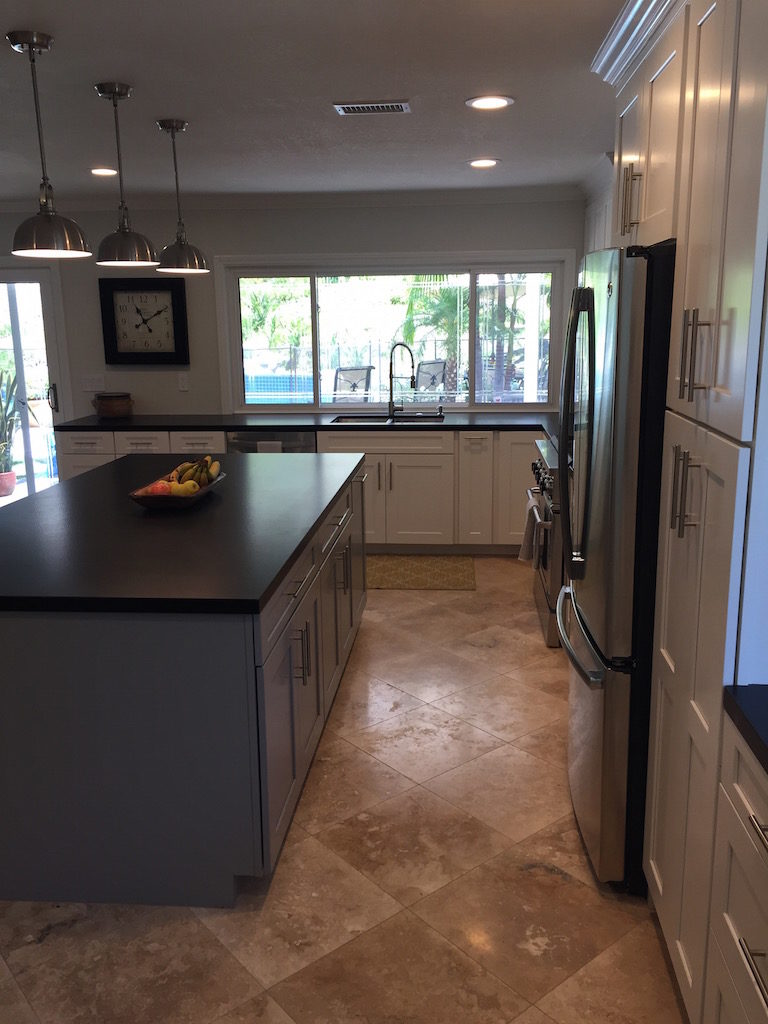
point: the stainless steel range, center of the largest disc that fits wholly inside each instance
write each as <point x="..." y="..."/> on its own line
<point x="547" y="540"/>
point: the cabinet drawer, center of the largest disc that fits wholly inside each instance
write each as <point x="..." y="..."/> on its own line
<point x="205" y="441"/>
<point x="80" y="441"/>
<point x="334" y="523"/>
<point x="127" y="441"/>
<point x="740" y="909"/>
<point x="388" y="439"/>
<point x="746" y="784"/>
<point x="721" y="1000"/>
<point x="279" y="608"/>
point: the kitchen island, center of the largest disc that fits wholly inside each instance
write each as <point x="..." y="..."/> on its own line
<point x="167" y="675"/>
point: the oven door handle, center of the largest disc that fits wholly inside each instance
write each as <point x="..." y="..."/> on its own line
<point x="540" y="526"/>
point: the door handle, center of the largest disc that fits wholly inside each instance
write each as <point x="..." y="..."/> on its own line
<point x="761" y="830"/>
<point x="52" y="397"/>
<point x="308" y="654"/>
<point x="391" y="476"/>
<point x="594" y="678"/>
<point x="378" y="473"/>
<point x="298" y="635"/>
<point x="682" y="516"/>
<point x="695" y="325"/>
<point x="683" y="352"/>
<point x="675" y="480"/>
<point x="757" y="974"/>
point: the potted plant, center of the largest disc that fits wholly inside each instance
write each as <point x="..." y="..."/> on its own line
<point x="9" y="421"/>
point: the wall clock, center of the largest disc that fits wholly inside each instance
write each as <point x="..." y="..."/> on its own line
<point x="144" y="320"/>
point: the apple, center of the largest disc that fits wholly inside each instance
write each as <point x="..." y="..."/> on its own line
<point x="159" y="487"/>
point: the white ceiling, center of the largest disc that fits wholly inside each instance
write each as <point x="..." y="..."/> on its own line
<point x="257" y="81"/>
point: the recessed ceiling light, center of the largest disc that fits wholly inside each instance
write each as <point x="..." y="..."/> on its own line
<point x="489" y="102"/>
<point x="104" y="172"/>
<point x="484" y="163"/>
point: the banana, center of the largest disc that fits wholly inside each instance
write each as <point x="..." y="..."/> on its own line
<point x="187" y="475"/>
<point x="214" y="469"/>
<point x="208" y="459"/>
<point x="182" y="469"/>
<point x="204" y="481"/>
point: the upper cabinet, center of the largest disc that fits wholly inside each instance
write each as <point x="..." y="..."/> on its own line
<point x="648" y="140"/>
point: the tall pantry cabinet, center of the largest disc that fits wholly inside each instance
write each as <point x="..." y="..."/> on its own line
<point x="712" y="134"/>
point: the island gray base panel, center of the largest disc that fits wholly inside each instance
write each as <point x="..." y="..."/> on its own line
<point x="128" y="757"/>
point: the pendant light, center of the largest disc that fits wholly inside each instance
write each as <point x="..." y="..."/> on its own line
<point x="47" y="235"/>
<point x="179" y="257"/>
<point x="124" y="247"/>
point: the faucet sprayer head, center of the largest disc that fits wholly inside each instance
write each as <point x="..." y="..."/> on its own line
<point x="413" y="381"/>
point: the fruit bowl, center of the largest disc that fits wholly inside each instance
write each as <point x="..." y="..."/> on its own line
<point x="173" y="501"/>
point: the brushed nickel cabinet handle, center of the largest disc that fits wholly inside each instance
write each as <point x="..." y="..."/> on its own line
<point x="390" y="476"/>
<point x="675" y="480"/>
<point x="749" y="956"/>
<point x="696" y="323"/>
<point x="626" y="184"/>
<point x="683" y="493"/>
<point x="378" y="473"/>
<point x="308" y="655"/>
<point x="761" y="830"/>
<point x="684" y="351"/>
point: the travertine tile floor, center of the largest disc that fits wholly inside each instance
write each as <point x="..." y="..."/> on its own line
<point x="433" y="872"/>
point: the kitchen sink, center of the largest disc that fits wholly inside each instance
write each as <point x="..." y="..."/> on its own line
<point x="361" y="417"/>
<point x="418" y="417"/>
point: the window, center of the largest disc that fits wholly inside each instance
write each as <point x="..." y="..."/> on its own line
<point x="319" y="339"/>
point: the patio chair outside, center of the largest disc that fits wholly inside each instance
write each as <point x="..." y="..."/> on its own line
<point x="430" y="378"/>
<point x="352" y="384"/>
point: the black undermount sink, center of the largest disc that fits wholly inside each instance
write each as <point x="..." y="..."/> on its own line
<point x="362" y="417"/>
<point x="382" y="420"/>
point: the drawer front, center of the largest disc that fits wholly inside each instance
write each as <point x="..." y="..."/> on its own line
<point x="280" y="607"/>
<point x="740" y="909"/>
<point x="137" y="441"/>
<point x="334" y="523"/>
<point x="388" y="439"/>
<point x="203" y="441"/>
<point x="82" y="441"/>
<point x="746" y="784"/>
<point x="721" y="1000"/>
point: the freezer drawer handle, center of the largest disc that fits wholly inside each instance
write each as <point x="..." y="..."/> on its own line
<point x="750" y="955"/>
<point x="594" y="678"/>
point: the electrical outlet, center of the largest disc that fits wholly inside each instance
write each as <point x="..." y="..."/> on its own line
<point x="183" y="382"/>
<point x="94" y="382"/>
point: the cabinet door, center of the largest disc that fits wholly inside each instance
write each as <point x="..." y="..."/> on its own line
<point x="631" y="145"/>
<point x="696" y="310"/>
<point x="357" y="549"/>
<point x="663" y="74"/>
<point x="420" y="499"/>
<point x="476" y="487"/>
<point x="375" y="496"/>
<point x="721" y="1002"/>
<point x="290" y="708"/>
<point x="700" y="542"/>
<point x="515" y="451"/>
<point x="74" y="463"/>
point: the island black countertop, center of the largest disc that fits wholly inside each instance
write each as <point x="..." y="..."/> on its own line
<point x="84" y="545"/>
<point x="747" y="706"/>
<point x="475" y="420"/>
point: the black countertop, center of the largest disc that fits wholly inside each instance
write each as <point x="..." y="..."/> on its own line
<point x="85" y="545"/>
<point x="748" y="707"/>
<point x="481" y="420"/>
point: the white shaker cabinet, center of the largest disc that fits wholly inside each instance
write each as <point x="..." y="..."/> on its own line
<point x="703" y="502"/>
<point x="374" y="488"/>
<point x="77" y="451"/>
<point x="515" y="451"/>
<point x="129" y="442"/>
<point x="693" y="387"/>
<point x="198" y="441"/>
<point x="648" y="140"/>
<point x="420" y="499"/>
<point x="475" y="487"/>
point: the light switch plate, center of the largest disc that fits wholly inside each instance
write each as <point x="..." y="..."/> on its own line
<point x="93" y="382"/>
<point x="183" y="382"/>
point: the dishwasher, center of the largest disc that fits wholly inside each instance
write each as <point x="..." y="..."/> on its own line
<point x="271" y="441"/>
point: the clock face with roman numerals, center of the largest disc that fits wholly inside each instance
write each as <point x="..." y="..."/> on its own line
<point x="144" y="321"/>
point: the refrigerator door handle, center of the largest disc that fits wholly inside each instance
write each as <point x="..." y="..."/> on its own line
<point x="582" y="301"/>
<point x="593" y="677"/>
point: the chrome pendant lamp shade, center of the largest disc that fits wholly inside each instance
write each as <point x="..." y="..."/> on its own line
<point x="179" y="257"/>
<point x="47" y="235"/>
<point x="124" y="247"/>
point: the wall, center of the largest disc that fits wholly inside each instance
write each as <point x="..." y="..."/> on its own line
<point x="479" y="221"/>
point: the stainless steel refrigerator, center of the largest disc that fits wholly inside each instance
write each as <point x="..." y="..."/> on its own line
<point x="611" y="430"/>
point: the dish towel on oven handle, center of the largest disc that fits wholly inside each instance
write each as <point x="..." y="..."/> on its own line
<point x="526" y="548"/>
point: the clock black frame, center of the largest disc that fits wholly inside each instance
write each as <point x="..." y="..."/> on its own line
<point x="176" y="286"/>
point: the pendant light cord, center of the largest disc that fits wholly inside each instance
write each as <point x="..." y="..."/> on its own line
<point x="123" y="208"/>
<point x="180" y="229"/>
<point x="46" y="192"/>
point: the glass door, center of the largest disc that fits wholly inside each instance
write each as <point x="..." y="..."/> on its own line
<point x="28" y="391"/>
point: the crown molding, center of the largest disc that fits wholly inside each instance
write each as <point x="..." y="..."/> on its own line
<point x="637" y="22"/>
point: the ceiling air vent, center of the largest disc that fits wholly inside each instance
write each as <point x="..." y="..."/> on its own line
<point x="396" y="107"/>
